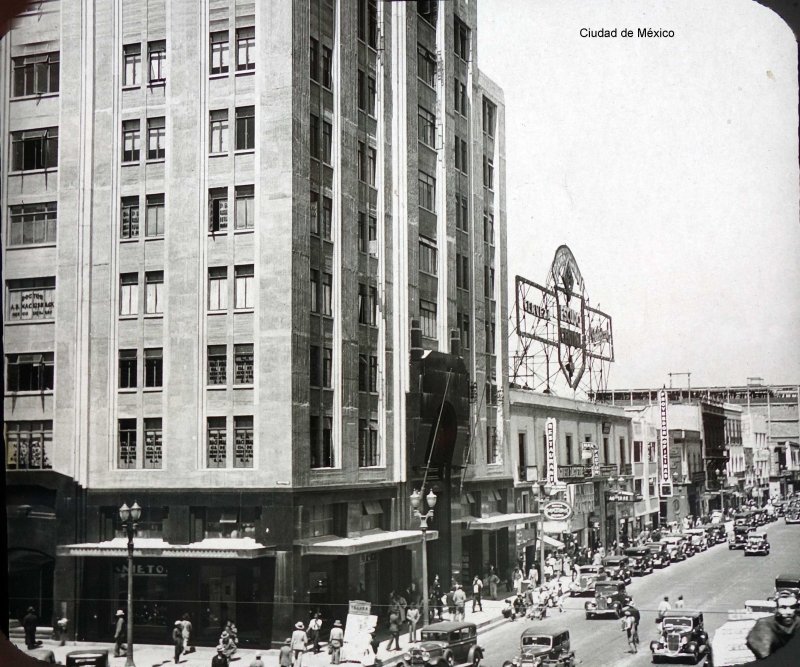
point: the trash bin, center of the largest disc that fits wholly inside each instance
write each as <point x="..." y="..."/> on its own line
<point x="94" y="658"/>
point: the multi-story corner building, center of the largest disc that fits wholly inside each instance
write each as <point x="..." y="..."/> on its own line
<point x="254" y="258"/>
<point x="752" y="473"/>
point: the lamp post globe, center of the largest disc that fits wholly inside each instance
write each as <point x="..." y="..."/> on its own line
<point x="431" y="498"/>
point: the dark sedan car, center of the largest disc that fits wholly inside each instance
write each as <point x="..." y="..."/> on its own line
<point x="445" y="644"/>
<point x="640" y="559"/>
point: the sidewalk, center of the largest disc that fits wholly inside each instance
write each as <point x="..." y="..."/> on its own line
<point x="153" y="655"/>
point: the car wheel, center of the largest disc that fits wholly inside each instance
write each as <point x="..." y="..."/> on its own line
<point x="589" y="616"/>
<point x="449" y="660"/>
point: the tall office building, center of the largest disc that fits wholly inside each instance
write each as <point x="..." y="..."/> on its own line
<point x="254" y="262"/>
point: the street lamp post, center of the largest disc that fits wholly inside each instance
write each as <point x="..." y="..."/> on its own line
<point x="616" y="482"/>
<point x="416" y="501"/>
<point x="721" y="490"/>
<point x="130" y="517"/>
<point x="539" y="490"/>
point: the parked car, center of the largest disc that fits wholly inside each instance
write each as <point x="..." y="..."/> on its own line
<point x="688" y="545"/>
<point x="717" y="516"/>
<point x="585" y="581"/>
<point x="659" y="553"/>
<point x="682" y="637"/>
<point x="674" y="549"/>
<point x="609" y="599"/>
<point x="757" y="544"/>
<point x="698" y="538"/>
<point x="446" y="644"/>
<point x="640" y="560"/>
<point x="792" y="516"/>
<point x="681" y="541"/>
<point x="538" y="648"/>
<point x="738" y="538"/>
<point x="716" y="533"/>
<point x="618" y="567"/>
<point x="744" y="518"/>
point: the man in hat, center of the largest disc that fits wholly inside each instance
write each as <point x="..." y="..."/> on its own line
<point x="285" y="655"/>
<point x="336" y="640"/>
<point x="257" y="661"/>
<point x="219" y="660"/>
<point x="177" y="639"/>
<point x="119" y="633"/>
<point x="29" y="623"/>
<point x="299" y="643"/>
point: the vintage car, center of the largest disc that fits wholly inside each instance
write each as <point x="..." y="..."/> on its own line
<point x="743" y="518"/>
<point x="445" y="644"/>
<point x="674" y="549"/>
<point x="793" y="516"/>
<point x="549" y="649"/>
<point x="585" y="581"/>
<point x="659" y="554"/>
<point x="717" y="516"/>
<point x="757" y="544"/>
<point x="698" y="537"/>
<point x="738" y="538"/>
<point x="682" y="637"/>
<point x="681" y="541"/>
<point x="716" y="533"/>
<point x="609" y="599"/>
<point x="641" y="562"/>
<point x="618" y="567"/>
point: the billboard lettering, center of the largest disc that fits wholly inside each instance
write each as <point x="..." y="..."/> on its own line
<point x="552" y="459"/>
<point x="666" y="476"/>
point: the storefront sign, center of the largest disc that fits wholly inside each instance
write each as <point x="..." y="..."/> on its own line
<point x="552" y="459"/>
<point x="143" y="569"/>
<point x="556" y="510"/>
<point x="31" y="304"/>
<point x="587" y="448"/>
<point x="359" y="621"/>
<point x="573" y="472"/>
<point x="622" y="497"/>
<point x="665" y="487"/>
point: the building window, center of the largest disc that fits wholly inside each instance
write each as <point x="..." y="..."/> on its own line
<point x="651" y="486"/>
<point x="427" y="316"/>
<point x="243" y="363"/>
<point x="154" y="223"/>
<point x="426" y="66"/>
<point x="217" y="439"/>
<point x="327" y="64"/>
<point x="327" y="367"/>
<point x="366" y="93"/>
<point x="460" y="97"/>
<point x="428" y="262"/>
<point x="462" y="155"/>
<point x="488" y="281"/>
<point x="461" y="38"/>
<point x="568" y="439"/>
<point x="154" y="292"/>
<point x="218" y="209"/>
<point x="157" y="57"/>
<point x="327" y="294"/>
<point x="218" y="288"/>
<point x="217" y="365"/>
<point x="638" y="445"/>
<point x="492" y="452"/>
<point x="368" y="22"/>
<point x="637" y="486"/>
<point x="327" y="218"/>
<point x="372" y="234"/>
<point x="426" y="128"/>
<point x="488" y="227"/>
<point x="373" y="374"/>
<point x="245" y="206"/>
<point x="622" y="457"/>
<point x="366" y="163"/>
<point x="462" y="213"/>
<point x="219" y="52"/>
<point x="245" y="128"/>
<point x="368" y="443"/>
<point x="462" y="271"/>
<point x="33" y="224"/>
<point x="327" y="139"/>
<point x="128" y="369"/>
<point x="488" y="173"/>
<point x="132" y="65"/>
<point x="218" y="131"/>
<point x="126" y="454"/>
<point x="489" y="332"/>
<point x="244" y="286"/>
<point x="321" y="448"/>
<point x="243" y="442"/>
<point x="313" y="60"/>
<point x="462" y="321"/>
<point x="313" y="137"/>
<point x="367" y="304"/>
<point x="363" y="373"/>
<point x="427" y="191"/>
<point x="489" y="113"/>
<point x="245" y="49"/>
<point x="428" y="10"/>
<point x="152" y="443"/>
<point x="34" y="149"/>
<point x="315" y="292"/>
<point x="129" y="218"/>
<point x="31" y="299"/>
<point x="28" y="445"/>
<point x="313" y="212"/>
<point x="153" y="367"/>
<point x="315" y="366"/>
<point x="36" y="74"/>
<point x="128" y="293"/>
<point x="156" y="140"/>
<point x="131" y="140"/>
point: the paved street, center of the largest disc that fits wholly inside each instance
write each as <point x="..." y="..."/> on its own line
<point x="714" y="581"/>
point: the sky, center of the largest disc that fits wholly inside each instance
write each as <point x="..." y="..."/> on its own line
<point x="669" y="167"/>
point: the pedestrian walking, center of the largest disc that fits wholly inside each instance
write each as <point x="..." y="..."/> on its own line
<point x="562" y="597"/>
<point x="533" y="577"/>
<point x="285" y="654"/>
<point x="119" y="633"/>
<point x="29" y="623"/>
<point x="412" y="616"/>
<point x="548" y="572"/>
<point x="629" y="628"/>
<point x="336" y="641"/>
<point x="451" y="605"/>
<point x="299" y="643"/>
<point x="493" y="580"/>
<point x="314" y="626"/>
<point x="177" y="640"/>
<point x="460" y="601"/>
<point x="679" y="602"/>
<point x="220" y="660"/>
<point x="477" y="587"/>
<point x="402" y="605"/>
<point x="186" y="631"/>
<point x="394" y="631"/>
<point x="516" y="579"/>
<point x="663" y="607"/>
<point x="597" y="559"/>
<point x="436" y="593"/>
<point x="257" y="661"/>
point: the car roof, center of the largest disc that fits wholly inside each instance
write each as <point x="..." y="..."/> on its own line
<point x="636" y="549"/>
<point x="447" y="626"/>
<point x="610" y="558"/>
<point x="678" y="613"/>
<point x="535" y="632"/>
<point x="611" y="582"/>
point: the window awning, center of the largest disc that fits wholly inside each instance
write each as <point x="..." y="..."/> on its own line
<point x="332" y="545"/>
<point x="498" y="521"/>
<point x="219" y="547"/>
<point x="553" y="542"/>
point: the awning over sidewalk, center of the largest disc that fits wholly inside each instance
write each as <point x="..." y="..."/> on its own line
<point x="332" y="545"/>
<point x="221" y="547"/>
<point x="553" y="542"/>
<point x="498" y="521"/>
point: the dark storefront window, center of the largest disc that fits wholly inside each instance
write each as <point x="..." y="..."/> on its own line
<point x="230" y="522"/>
